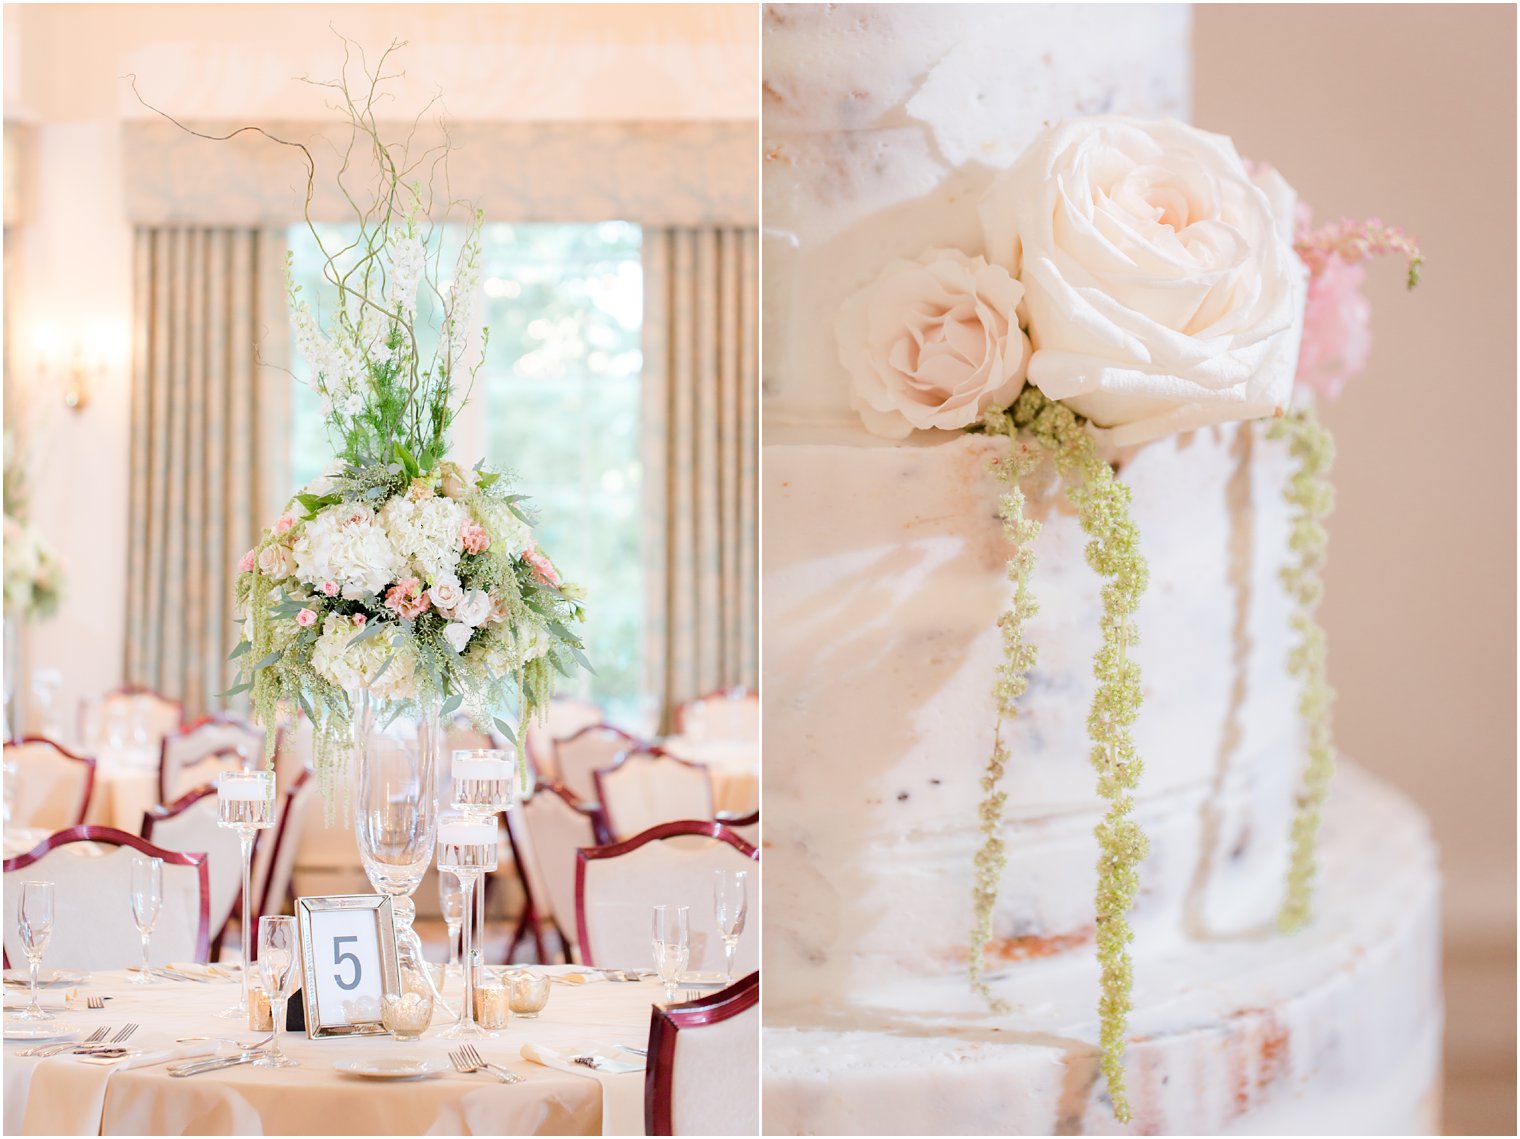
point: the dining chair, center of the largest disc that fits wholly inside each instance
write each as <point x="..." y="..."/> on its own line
<point x="131" y="716"/>
<point x="300" y="808"/>
<point x="204" y="749"/>
<point x="648" y="786"/>
<point x="564" y="716"/>
<point x="52" y="785"/>
<point x="547" y="829"/>
<point x="189" y="824"/>
<point x="703" y="1055"/>
<point x="91" y="869"/>
<point x="746" y="827"/>
<point x="726" y="714"/>
<point x="576" y="757"/>
<point x="617" y="887"/>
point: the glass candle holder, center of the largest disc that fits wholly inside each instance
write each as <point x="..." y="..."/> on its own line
<point x="529" y="993"/>
<point x="406" y="1016"/>
<point x="493" y="1004"/>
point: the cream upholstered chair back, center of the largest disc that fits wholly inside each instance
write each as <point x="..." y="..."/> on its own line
<point x="558" y="825"/>
<point x="91" y="872"/>
<point x="189" y="824"/>
<point x="646" y="787"/>
<point x="728" y="714"/>
<point x="129" y="718"/>
<point x="52" y="787"/>
<point x="562" y="719"/>
<point x="618" y="886"/>
<point x="702" y="1061"/>
<point x="204" y="750"/>
<point x="577" y="757"/>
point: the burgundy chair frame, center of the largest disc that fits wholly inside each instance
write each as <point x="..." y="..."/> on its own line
<point x="110" y="836"/>
<point x="132" y="690"/>
<point x="665" y="1024"/>
<point x="653" y="834"/>
<point x="735" y="692"/>
<point x="530" y="923"/>
<point x="536" y="760"/>
<point x="163" y="775"/>
<point x="88" y="761"/>
<point x="633" y="741"/>
<point x="161" y="813"/>
<point x="624" y="757"/>
<point x="729" y="819"/>
<point x="213" y="719"/>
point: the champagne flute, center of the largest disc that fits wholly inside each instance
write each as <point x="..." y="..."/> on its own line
<point x="730" y="907"/>
<point x="484" y="784"/>
<point x="672" y="946"/>
<point x="277" y="969"/>
<point x="467" y="849"/>
<point x="451" y="902"/>
<point x="245" y="803"/>
<point x="34" y="917"/>
<point x="147" y="900"/>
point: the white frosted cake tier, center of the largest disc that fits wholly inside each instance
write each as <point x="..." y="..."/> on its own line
<point x="1335" y="1030"/>
<point x="885" y="574"/>
<point x="884" y="124"/>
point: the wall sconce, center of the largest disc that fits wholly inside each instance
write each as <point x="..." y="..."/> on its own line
<point x="86" y="367"/>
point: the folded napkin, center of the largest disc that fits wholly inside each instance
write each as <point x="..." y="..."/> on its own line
<point x="192" y="1051"/>
<point x="578" y="978"/>
<point x="622" y="1089"/>
<point x="609" y="1059"/>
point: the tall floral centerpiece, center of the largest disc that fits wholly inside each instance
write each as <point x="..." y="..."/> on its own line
<point x="33" y="580"/>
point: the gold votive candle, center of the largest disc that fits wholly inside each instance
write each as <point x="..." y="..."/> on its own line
<point x="530" y="993"/>
<point x="260" y="1012"/>
<point x="493" y="1005"/>
<point x="407" y="1015"/>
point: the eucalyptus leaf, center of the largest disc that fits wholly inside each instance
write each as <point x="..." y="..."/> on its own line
<point x="451" y="705"/>
<point x="369" y="631"/>
<point x="267" y="661"/>
<point x="243" y="647"/>
<point x="505" y="729"/>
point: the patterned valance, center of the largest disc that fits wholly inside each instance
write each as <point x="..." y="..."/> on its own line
<point x="655" y="174"/>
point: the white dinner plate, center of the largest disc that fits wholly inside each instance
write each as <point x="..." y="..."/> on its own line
<point x="399" y="1068"/>
<point x="39" y="1030"/>
<point x="45" y="977"/>
<point x="703" y="980"/>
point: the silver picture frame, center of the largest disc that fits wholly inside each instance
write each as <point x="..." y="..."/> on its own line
<point x="322" y="1022"/>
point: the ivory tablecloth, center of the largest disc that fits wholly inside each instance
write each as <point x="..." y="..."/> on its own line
<point x="62" y="1096"/>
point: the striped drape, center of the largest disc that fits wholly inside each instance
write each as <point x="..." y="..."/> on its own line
<point x="201" y="304"/>
<point x="701" y="461"/>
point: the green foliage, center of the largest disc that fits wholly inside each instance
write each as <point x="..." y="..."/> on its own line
<point x="1310" y="494"/>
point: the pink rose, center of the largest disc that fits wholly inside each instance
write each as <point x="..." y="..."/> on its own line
<point x="247" y="561"/>
<point x="306" y="618"/>
<point x="474" y="536"/>
<point x="360" y="620"/>
<point x="543" y="568"/>
<point x="284" y="524"/>
<point x="1337" y="329"/>
<point x="330" y="588"/>
<point x="407" y="598"/>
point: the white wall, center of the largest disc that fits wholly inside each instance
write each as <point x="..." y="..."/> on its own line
<point x="63" y="72"/>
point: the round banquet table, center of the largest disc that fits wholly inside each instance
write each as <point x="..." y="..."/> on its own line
<point x="61" y="1095"/>
<point x="734" y="766"/>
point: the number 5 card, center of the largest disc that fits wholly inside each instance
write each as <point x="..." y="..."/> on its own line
<point x="348" y="961"/>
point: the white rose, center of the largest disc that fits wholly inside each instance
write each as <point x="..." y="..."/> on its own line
<point x="457" y="635"/>
<point x="276" y="562"/>
<point x="1160" y="280"/>
<point x="474" y="608"/>
<point x="446" y="593"/>
<point x="933" y="343"/>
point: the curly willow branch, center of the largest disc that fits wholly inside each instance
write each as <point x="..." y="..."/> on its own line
<point x="1012" y="683"/>
<point x="1310" y="493"/>
<point x="1113" y="551"/>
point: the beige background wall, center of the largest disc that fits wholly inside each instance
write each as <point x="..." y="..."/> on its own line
<point x="1408" y="112"/>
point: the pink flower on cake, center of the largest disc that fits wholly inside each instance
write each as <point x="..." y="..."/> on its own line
<point x="248" y="561"/>
<point x="407" y="598"/>
<point x="543" y="568"/>
<point x="1337" y="328"/>
<point x="306" y="618"/>
<point x="932" y="343"/>
<point x="1161" y="285"/>
<point x="475" y="538"/>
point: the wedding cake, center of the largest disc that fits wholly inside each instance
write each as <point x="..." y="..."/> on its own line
<point x="885" y="573"/>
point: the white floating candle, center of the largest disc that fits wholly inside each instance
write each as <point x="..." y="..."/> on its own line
<point x="466" y="834"/>
<point x="243" y="790"/>
<point x="477" y="767"/>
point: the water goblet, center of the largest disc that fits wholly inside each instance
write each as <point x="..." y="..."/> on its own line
<point x="245" y="803"/>
<point x="147" y="900"/>
<point x="672" y="946"/>
<point x="278" y="955"/>
<point x="451" y="903"/>
<point x="467" y="849"/>
<point x="730" y="908"/>
<point x="34" y="918"/>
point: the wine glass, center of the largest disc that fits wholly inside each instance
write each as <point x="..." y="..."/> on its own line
<point x="467" y="849"/>
<point x="484" y="783"/>
<point x="277" y="969"/>
<point x="45" y="685"/>
<point x="730" y="907"/>
<point x="245" y="803"/>
<point x="147" y="900"/>
<point x="672" y="946"/>
<point x="34" y="917"/>
<point x="451" y="902"/>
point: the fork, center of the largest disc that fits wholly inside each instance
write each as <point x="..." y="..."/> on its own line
<point x="126" y="1032"/>
<point x="53" y="1049"/>
<point x="95" y="1002"/>
<point x="466" y="1060"/>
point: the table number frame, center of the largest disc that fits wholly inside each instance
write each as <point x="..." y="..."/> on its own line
<point x="379" y="955"/>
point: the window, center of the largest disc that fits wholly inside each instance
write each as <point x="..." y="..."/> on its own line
<point x="557" y="403"/>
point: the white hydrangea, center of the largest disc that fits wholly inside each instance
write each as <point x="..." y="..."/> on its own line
<point x="351" y="666"/>
<point x="498" y="652"/>
<point x="507" y="530"/>
<point x="425" y="533"/>
<point x="348" y="544"/>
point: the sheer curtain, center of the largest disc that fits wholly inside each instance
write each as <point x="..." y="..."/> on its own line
<point x="701" y="463"/>
<point x="204" y="300"/>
